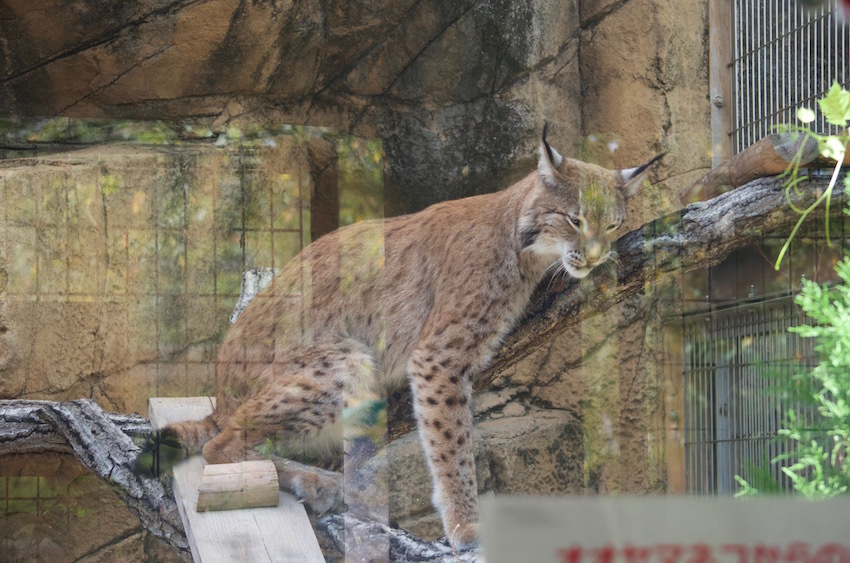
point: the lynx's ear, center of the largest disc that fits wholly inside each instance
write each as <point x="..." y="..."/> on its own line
<point x="550" y="160"/>
<point x="634" y="177"/>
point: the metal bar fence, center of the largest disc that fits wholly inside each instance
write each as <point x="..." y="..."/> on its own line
<point x="785" y="55"/>
<point x="734" y="358"/>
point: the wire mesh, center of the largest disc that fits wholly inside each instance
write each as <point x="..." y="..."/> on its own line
<point x="785" y="55"/>
<point x="149" y="250"/>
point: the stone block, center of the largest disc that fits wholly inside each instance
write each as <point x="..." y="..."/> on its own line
<point x="539" y="453"/>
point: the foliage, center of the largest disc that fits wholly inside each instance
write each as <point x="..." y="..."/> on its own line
<point x="835" y="106"/>
<point x="818" y="466"/>
<point x="361" y="179"/>
<point x="72" y="131"/>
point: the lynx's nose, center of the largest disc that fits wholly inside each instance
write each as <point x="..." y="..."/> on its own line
<point x="593" y="251"/>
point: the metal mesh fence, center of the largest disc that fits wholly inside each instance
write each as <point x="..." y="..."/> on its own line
<point x="120" y="264"/>
<point x="738" y="354"/>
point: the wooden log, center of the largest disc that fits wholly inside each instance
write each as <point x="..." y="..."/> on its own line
<point x="339" y="530"/>
<point x="271" y="533"/>
<point x="23" y="431"/>
<point x="228" y="486"/>
<point x="768" y="157"/>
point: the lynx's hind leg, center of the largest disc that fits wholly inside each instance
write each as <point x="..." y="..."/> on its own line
<point x="299" y="412"/>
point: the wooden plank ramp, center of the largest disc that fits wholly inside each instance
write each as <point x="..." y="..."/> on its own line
<point x="280" y="533"/>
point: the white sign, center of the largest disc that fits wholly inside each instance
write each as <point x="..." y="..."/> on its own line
<point x="665" y="530"/>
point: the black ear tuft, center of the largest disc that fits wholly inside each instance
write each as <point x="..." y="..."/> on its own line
<point x="634" y="177"/>
<point x="637" y="171"/>
<point x="546" y="144"/>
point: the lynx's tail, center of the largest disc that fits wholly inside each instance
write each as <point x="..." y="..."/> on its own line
<point x="172" y="444"/>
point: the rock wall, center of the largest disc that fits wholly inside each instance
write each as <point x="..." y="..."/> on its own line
<point x="644" y="79"/>
<point x="458" y="90"/>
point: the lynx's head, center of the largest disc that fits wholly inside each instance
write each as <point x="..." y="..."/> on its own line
<point x="577" y="210"/>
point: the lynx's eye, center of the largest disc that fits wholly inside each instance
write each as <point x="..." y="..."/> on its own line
<point x="614" y="226"/>
<point x="574" y="221"/>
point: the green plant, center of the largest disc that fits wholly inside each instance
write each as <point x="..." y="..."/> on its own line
<point x="818" y="466"/>
<point x="835" y="106"/>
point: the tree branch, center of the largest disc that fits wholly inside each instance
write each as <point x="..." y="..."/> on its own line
<point x="769" y="156"/>
<point x="103" y="444"/>
<point x="700" y="235"/>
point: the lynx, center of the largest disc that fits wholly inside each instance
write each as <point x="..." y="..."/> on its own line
<point x="424" y="298"/>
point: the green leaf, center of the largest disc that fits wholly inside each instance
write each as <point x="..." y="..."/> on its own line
<point x="836" y="105"/>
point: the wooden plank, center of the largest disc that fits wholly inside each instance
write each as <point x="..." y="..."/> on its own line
<point x="281" y="533"/>
<point x="720" y="76"/>
<point x="163" y="411"/>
